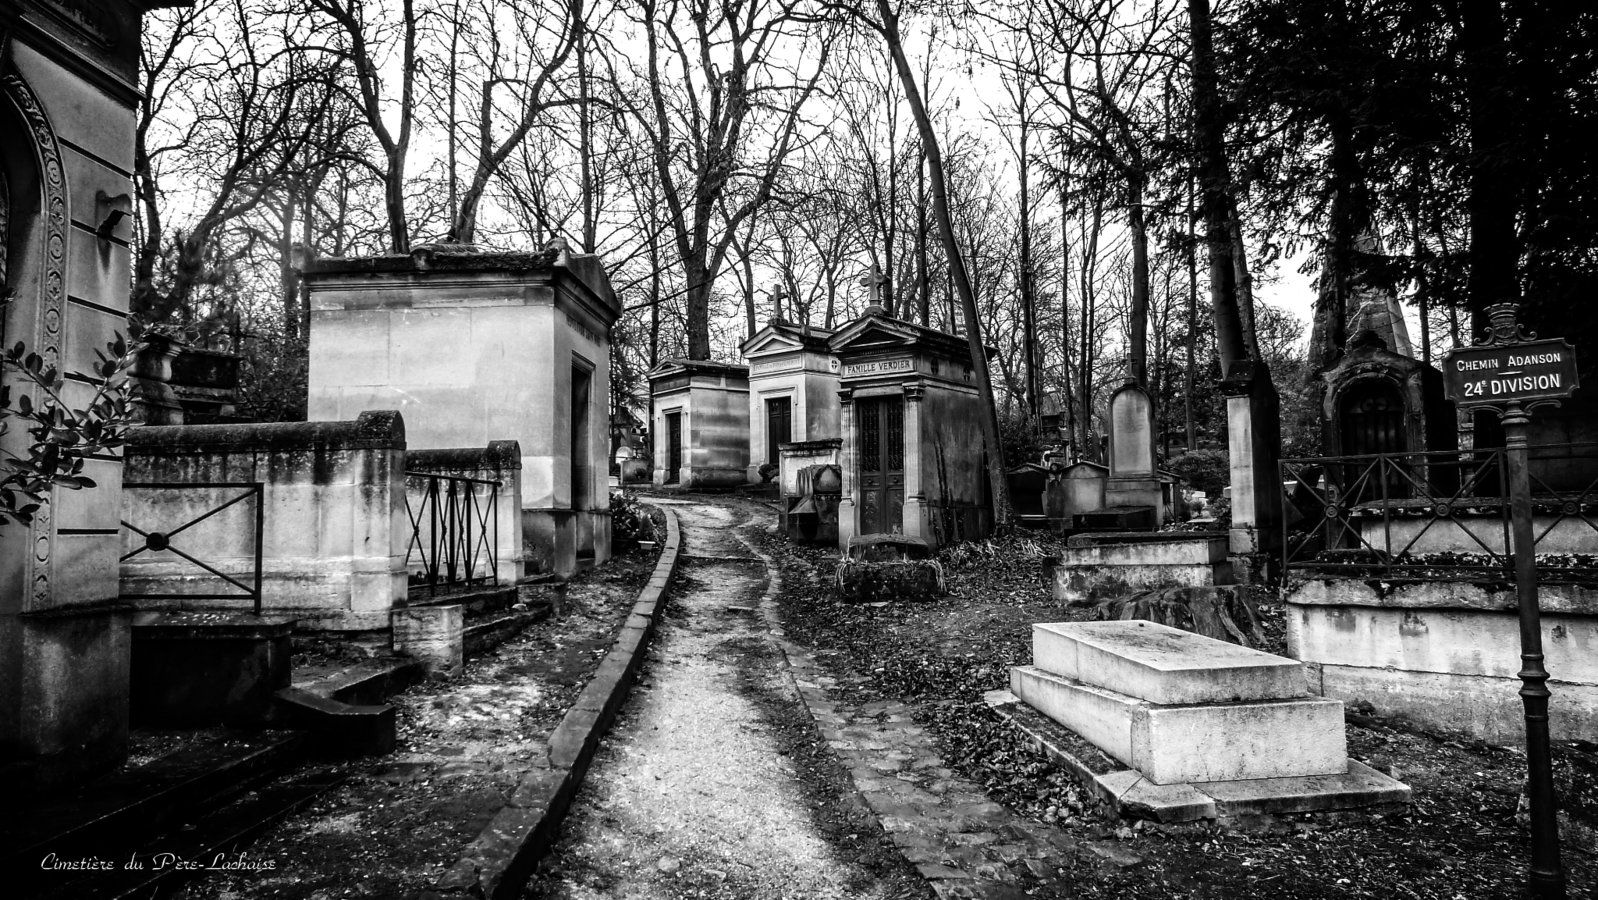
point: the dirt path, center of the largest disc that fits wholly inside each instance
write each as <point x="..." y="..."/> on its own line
<point x="713" y="784"/>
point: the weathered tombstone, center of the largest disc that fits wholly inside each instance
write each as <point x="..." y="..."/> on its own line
<point x="793" y="391"/>
<point x="69" y="78"/>
<point x="1133" y="485"/>
<point x="1028" y="483"/>
<point x="912" y="452"/>
<point x="1254" y="445"/>
<point x="473" y="347"/>
<point x="1074" y="489"/>
<point x="700" y="411"/>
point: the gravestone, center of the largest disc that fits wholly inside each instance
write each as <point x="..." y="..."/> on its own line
<point x="1073" y="490"/>
<point x="912" y="456"/>
<point x="793" y="392"/>
<point x="473" y="347"/>
<point x="1254" y="446"/>
<point x="1134" y="480"/>
<point x="700" y="411"/>
<point x="69" y="76"/>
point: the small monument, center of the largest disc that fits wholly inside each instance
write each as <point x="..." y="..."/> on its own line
<point x="793" y="394"/>
<point x="912" y="452"/>
<point x="700" y="423"/>
<point x="1204" y="729"/>
<point x="474" y="347"/>
<point x="1133" y="488"/>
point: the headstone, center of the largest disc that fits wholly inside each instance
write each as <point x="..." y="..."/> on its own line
<point x="474" y="347"/>
<point x="1254" y="445"/>
<point x="1133" y="479"/>
<point x="912" y="456"/>
<point x="700" y="414"/>
<point x="793" y="392"/>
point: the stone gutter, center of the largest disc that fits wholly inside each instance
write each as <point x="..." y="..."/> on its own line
<point x="498" y="862"/>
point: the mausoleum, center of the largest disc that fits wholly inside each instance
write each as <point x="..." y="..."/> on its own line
<point x="793" y="390"/>
<point x="69" y="80"/>
<point x="474" y="347"/>
<point x="912" y="456"/>
<point x="699" y="411"/>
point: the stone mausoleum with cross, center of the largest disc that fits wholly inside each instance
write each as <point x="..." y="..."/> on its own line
<point x="912" y="455"/>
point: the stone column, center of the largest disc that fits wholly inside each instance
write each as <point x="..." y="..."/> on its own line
<point x="848" y="524"/>
<point x="915" y="498"/>
<point x="1254" y="445"/>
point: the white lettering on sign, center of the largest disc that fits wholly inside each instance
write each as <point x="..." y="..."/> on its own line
<point x="877" y="367"/>
<point x="1520" y="372"/>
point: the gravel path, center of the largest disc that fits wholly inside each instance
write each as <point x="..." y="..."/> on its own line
<point x="703" y="789"/>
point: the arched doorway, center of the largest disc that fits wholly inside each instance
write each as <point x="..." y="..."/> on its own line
<point x="1371" y="419"/>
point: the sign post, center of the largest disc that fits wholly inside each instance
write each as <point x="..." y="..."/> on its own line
<point x="1511" y="374"/>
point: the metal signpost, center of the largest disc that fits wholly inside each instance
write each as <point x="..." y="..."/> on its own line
<point x="1513" y="374"/>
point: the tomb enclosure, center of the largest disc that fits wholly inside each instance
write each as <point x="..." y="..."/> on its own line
<point x="474" y="347"/>
<point x="793" y="392"/>
<point x="68" y="91"/>
<point x="912" y="455"/>
<point x="700" y="415"/>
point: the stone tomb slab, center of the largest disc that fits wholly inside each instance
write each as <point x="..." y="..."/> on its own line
<point x="1174" y="744"/>
<point x="1163" y="665"/>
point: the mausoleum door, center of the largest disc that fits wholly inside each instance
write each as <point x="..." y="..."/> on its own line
<point x="881" y="424"/>
<point x="779" y="427"/>
<point x="673" y="447"/>
<point x="1373" y="422"/>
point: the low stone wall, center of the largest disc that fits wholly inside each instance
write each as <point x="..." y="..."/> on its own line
<point x="1095" y="567"/>
<point x="1445" y="654"/>
<point x="333" y="514"/>
<point x="500" y="461"/>
<point x="1461" y="534"/>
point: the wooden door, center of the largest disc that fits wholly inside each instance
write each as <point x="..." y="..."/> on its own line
<point x="880" y="424"/>
<point x="779" y="427"/>
<point x="673" y="447"/>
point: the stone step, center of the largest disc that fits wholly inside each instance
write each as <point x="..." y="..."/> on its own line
<point x="1175" y="744"/>
<point x="1160" y="664"/>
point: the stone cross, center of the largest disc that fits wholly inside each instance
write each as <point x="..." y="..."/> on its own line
<point x="777" y="296"/>
<point x="874" y="283"/>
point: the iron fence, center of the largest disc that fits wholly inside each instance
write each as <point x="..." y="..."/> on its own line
<point x="1440" y="515"/>
<point x="156" y="541"/>
<point x="454" y="530"/>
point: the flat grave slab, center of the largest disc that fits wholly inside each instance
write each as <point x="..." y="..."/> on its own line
<point x="1176" y="744"/>
<point x="1163" y="665"/>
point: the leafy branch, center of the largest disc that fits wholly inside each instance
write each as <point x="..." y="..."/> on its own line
<point x="63" y="437"/>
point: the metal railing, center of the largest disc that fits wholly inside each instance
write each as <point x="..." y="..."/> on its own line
<point x="454" y="530"/>
<point x="1438" y="516"/>
<point x="156" y="541"/>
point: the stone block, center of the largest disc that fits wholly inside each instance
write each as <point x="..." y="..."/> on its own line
<point x="1209" y="742"/>
<point x="1161" y="664"/>
<point x="1239" y="741"/>
<point x="196" y="669"/>
<point x="1103" y="717"/>
<point x="433" y="634"/>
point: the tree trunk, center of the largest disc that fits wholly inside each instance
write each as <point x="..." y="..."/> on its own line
<point x="1137" y="355"/>
<point x="1492" y="193"/>
<point x="957" y="271"/>
<point x="1215" y="181"/>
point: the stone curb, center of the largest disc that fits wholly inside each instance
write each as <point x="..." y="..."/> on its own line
<point x="499" y="861"/>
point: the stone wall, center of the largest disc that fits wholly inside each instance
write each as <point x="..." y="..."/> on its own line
<point x="333" y="509"/>
<point x="1446" y="654"/>
<point x="500" y="461"/>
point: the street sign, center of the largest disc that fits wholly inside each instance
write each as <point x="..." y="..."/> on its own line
<point x="1523" y="371"/>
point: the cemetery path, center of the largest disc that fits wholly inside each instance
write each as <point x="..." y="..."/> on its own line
<point x="713" y="783"/>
